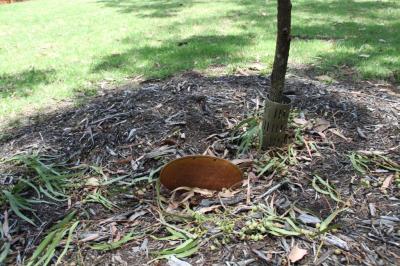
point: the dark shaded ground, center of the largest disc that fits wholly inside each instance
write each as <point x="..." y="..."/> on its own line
<point x="117" y="127"/>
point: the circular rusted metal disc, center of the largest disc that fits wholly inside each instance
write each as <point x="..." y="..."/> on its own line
<point x="200" y="171"/>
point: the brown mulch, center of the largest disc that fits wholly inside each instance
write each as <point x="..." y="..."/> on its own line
<point x="165" y="119"/>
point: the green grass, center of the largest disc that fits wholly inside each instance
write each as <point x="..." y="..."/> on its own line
<point x="53" y="50"/>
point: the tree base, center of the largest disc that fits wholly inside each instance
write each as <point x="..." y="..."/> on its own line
<point x="275" y="121"/>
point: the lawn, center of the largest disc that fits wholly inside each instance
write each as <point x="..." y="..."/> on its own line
<point x="57" y="50"/>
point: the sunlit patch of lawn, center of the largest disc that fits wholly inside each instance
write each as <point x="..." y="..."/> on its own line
<point x="52" y="50"/>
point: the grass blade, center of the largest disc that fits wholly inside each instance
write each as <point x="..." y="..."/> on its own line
<point x="329" y="219"/>
<point x="283" y="232"/>
<point x="187" y="245"/>
<point x="114" y="245"/>
<point x="46" y="249"/>
<point x="5" y="249"/>
<point x="187" y="253"/>
<point x="17" y="203"/>
<point x="69" y="239"/>
<point x="41" y="247"/>
<point x="267" y="167"/>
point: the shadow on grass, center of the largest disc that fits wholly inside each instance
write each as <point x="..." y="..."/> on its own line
<point x="176" y="55"/>
<point x="364" y="35"/>
<point x="23" y="83"/>
<point x="342" y="8"/>
<point x="154" y="8"/>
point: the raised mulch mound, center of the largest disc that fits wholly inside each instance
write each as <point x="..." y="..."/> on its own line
<point x="130" y="131"/>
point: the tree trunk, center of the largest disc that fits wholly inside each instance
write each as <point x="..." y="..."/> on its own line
<point x="281" y="51"/>
<point x="276" y="110"/>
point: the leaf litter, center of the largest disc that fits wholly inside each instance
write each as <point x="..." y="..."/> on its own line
<point x="317" y="193"/>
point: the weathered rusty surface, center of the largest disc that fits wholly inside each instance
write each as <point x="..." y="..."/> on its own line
<point x="9" y="1"/>
<point x="200" y="171"/>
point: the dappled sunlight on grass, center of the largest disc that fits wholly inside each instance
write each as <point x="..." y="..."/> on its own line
<point x="161" y="60"/>
<point x="87" y="41"/>
<point x="22" y="84"/>
<point x="364" y="33"/>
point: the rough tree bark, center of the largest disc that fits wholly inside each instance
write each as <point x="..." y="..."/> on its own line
<point x="281" y="51"/>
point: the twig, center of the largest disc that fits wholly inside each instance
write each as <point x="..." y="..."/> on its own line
<point x="271" y="190"/>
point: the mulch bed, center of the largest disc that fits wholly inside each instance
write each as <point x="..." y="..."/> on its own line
<point x="136" y="128"/>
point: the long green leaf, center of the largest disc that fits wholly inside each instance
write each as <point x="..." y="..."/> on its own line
<point x="69" y="239"/>
<point x="64" y="222"/>
<point x="357" y="163"/>
<point x="46" y="249"/>
<point x="188" y="244"/>
<point x="30" y="184"/>
<point x="329" y="219"/>
<point x="175" y="235"/>
<point x="284" y="232"/>
<point x="114" y="245"/>
<point x="5" y="249"/>
<point x="47" y="194"/>
<point x="292" y="224"/>
<point x="16" y="204"/>
<point x="38" y="251"/>
<point x="330" y="190"/>
<point x="267" y="167"/>
<point x="187" y="253"/>
<point x="51" y="249"/>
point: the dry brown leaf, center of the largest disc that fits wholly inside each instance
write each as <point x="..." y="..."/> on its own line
<point x="6" y="229"/>
<point x="361" y="133"/>
<point x="300" y="121"/>
<point x="248" y="194"/>
<point x="209" y="152"/>
<point x="321" y="125"/>
<point x="208" y="209"/>
<point x="308" y="147"/>
<point x="297" y="254"/>
<point x="124" y="161"/>
<point x="186" y="196"/>
<point x="252" y="176"/>
<point x="117" y="237"/>
<point x="115" y="234"/>
<point x="372" y="152"/>
<point x="386" y="182"/>
<point x="92" y="182"/>
<point x="90" y="237"/>
<point x="202" y="191"/>
<point x="230" y="125"/>
<point x="226" y="193"/>
<point x="241" y="162"/>
<point x="172" y="206"/>
<point x="337" y="133"/>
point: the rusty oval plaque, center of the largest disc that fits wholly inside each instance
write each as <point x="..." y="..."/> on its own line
<point x="200" y="171"/>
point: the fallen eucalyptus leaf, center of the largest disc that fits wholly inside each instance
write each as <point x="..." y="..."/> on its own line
<point x="297" y="254"/>
<point x="308" y="219"/>
<point x="386" y="182"/>
<point x="174" y="261"/>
